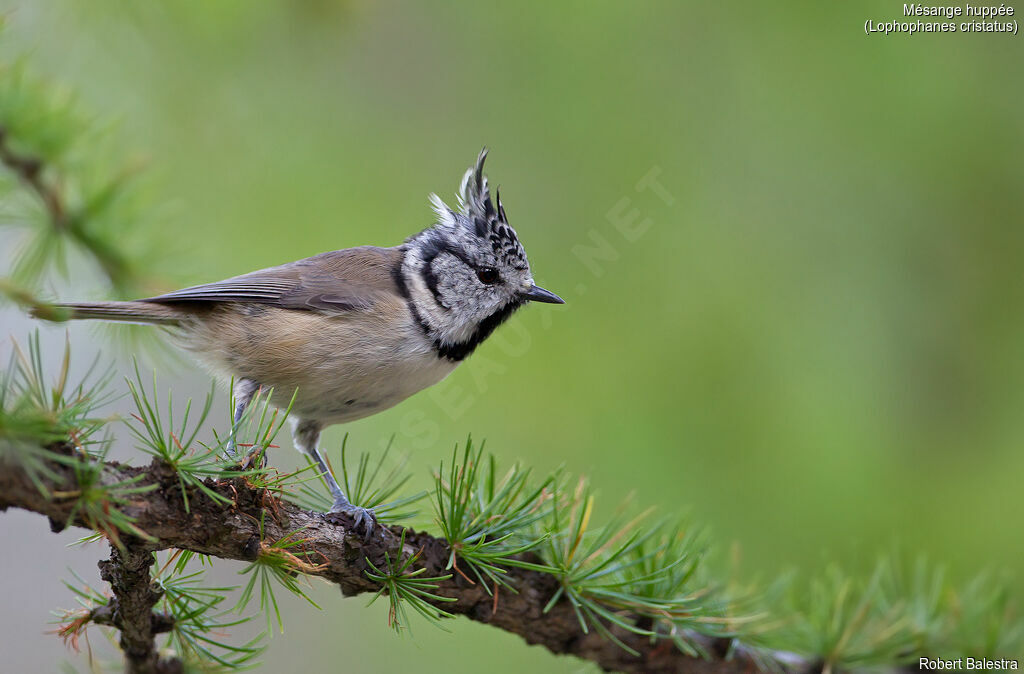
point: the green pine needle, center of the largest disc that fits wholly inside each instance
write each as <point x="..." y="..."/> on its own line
<point x="200" y="622"/>
<point x="368" y="486"/>
<point x="98" y="504"/>
<point x="407" y="587"/>
<point x="647" y="580"/>
<point x="283" y="563"/>
<point x="175" y="443"/>
<point x="36" y="415"/>
<point x="257" y="431"/>
<point x="60" y="194"/>
<point x="490" y="522"/>
<point x="848" y="622"/>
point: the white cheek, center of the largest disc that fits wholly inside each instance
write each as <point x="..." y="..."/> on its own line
<point x="455" y="324"/>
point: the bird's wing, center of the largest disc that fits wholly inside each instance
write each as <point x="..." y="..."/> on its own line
<point x="339" y="281"/>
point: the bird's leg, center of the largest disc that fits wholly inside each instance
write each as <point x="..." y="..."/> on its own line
<point x="243" y="393"/>
<point x="306" y="434"/>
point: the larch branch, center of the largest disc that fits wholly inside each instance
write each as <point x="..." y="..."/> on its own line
<point x="233" y="532"/>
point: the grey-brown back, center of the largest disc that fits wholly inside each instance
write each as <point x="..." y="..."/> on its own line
<point x="337" y="281"/>
<point x="334" y="282"/>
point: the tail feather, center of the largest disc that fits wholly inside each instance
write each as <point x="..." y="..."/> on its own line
<point x="132" y="312"/>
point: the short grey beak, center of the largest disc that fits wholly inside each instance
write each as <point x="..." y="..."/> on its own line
<point x="538" y="294"/>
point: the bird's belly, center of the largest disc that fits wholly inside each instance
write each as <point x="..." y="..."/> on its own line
<point x="339" y="368"/>
<point x="353" y="392"/>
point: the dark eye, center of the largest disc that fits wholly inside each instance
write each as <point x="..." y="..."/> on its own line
<point x="487" y="275"/>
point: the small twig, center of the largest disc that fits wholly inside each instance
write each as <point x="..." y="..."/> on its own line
<point x="27" y="300"/>
<point x="30" y="171"/>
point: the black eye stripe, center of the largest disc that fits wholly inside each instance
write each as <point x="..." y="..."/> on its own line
<point x="455" y="252"/>
<point x="439" y="245"/>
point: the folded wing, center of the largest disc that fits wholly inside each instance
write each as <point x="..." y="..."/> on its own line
<point x="340" y="281"/>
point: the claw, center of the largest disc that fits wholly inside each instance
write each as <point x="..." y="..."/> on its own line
<point x="363" y="519"/>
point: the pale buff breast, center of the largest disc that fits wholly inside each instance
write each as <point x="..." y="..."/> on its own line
<point x="344" y="366"/>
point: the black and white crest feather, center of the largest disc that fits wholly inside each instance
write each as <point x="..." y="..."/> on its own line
<point x="486" y="218"/>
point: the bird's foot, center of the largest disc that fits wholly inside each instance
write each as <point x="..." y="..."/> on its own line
<point x="253" y="461"/>
<point x="363" y="519"/>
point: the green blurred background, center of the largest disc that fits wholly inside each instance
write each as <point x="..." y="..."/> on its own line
<point x="814" y="345"/>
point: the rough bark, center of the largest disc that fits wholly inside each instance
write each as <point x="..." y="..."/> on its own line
<point x="233" y="532"/>
<point x="131" y="608"/>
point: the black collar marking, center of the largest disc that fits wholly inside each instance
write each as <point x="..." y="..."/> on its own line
<point x="460" y="350"/>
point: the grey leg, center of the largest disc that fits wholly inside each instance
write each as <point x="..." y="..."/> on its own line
<point x="244" y="391"/>
<point x="306" y="434"/>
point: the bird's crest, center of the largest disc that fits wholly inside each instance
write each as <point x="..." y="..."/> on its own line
<point x="477" y="212"/>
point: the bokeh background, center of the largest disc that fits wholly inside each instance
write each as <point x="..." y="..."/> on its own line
<point x="808" y="335"/>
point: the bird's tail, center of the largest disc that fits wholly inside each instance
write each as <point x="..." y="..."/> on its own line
<point x="131" y="312"/>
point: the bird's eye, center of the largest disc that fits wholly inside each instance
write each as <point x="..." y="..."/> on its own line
<point x="487" y="275"/>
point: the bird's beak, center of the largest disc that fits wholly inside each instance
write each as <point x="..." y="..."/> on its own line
<point x="538" y="294"/>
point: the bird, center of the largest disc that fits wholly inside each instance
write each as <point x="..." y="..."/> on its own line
<point x="349" y="333"/>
